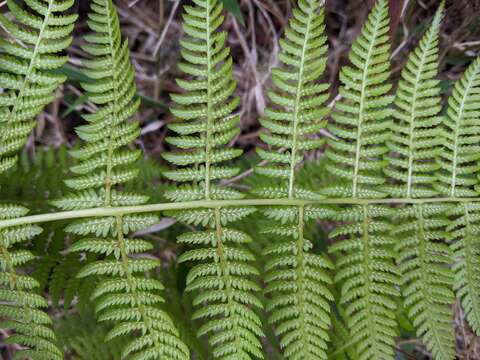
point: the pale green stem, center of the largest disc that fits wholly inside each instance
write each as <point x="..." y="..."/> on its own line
<point x="211" y="204"/>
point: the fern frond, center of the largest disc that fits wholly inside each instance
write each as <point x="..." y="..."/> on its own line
<point x="362" y="118"/>
<point x="222" y="278"/>
<point x="299" y="98"/>
<point x="466" y="247"/>
<point x="427" y="280"/>
<point x="40" y="31"/>
<point x="123" y="295"/>
<point x="21" y="307"/>
<point x="298" y="282"/>
<point x="369" y="278"/>
<point x="459" y="158"/>
<point x="415" y="142"/>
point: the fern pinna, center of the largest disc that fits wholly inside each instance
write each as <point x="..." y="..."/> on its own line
<point x="124" y="295"/>
<point x="424" y="257"/>
<point x="365" y="261"/>
<point x="459" y="161"/>
<point x="39" y="32"/>
<point x="223" y="275"/>
<point x="297" y="280"/>
<point x="362" y="117"/>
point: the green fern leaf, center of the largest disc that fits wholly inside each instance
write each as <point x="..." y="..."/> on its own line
<point x="22" y="308"/>
<point x="459" y="156"/>
<point x="297" y="280"/>
<point x="40" y="31"/>
<point x="226" y="288"/>
<point x="106" y="163"/>
<point x="298" y="94"/>
<point x="416" y="140"/>
<point x="362" y="118"/>
<point x="427" y="281"/>
<point x="299" y="284"/>
<point x="465" y="244"/>
<point x="369" y="278"/>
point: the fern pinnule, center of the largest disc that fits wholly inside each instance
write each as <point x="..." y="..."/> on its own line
<point x="123" y="295"/>
<point x="21" y="306"/>
<point x="416" y="141"/>
<point x="459" y="158"/>
<point x="362" y="118"/>
<point x="299" y="97"/>
<point x="222" y="276"/>
<point x="427" y="279"/>
<point x="369" y="278"/>
<point x="40" y="31"/>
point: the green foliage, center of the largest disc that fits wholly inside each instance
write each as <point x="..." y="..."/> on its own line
<point x="84" y="338"/>
<point x="22" y="307"/>
<point x="427" y="281"/>
<point x="415" y="142"/>
<point x="415" y="146"/>
<point x="234" y="8"/>
<point x="222" y="277"/>
<point x="459" y="156"/>
<point x="40" y="32"/>
<point x="362" y="118"/>
<point x="297" y="281"/>
<point x="365" y="261"/>
<point x="369" y="278"/>
<point x="298" y="284"/>
<point x="465" y="245"/>
<point x="401" y="196"/>
<point x="299" y="97"/>
<point x="123" y="295"/>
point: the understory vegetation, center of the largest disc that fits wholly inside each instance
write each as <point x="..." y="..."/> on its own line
<point x="349" y="230"/>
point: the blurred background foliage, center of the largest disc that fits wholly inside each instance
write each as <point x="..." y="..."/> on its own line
<point x="254" y="26"/>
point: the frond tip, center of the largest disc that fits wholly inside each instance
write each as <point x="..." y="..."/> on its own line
<point x="41" y="31"/>
<point x="415" y="142"/>
<point x="206" y="107"/>
<point x="362" y="118"/>
<point x="459" y="158"/>
<point x="298" y="97"/>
